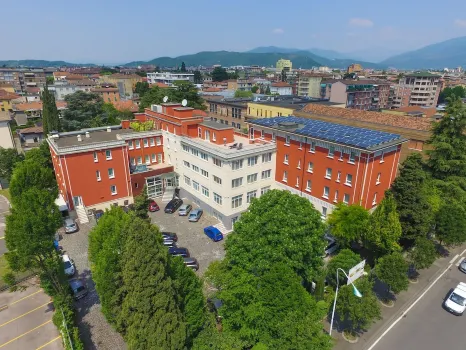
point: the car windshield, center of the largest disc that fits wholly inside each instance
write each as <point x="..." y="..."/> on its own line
<point x="70" y="224"/>
<point x="80" y="289"/>
<point x="67" y="264"/>
<point x="193" y="214"/>
<point x="457" y="299"/>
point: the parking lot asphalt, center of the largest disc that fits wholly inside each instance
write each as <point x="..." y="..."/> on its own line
<point x="191" y="235"/>
<point x="26" y="320"/>
<point x="4" y="210"/>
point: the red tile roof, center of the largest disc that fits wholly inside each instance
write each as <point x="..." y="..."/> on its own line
<point x="212" y="89"/>
<point x="126" y="106"/>
<point x="32" y="130"/>
<point x="35" y="106"/>
<point x="5" y="95"/>
<point x="281" y="84"/>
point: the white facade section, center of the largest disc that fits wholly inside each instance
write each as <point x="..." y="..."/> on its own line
<point x="6" y="137"/>
<point x="169" y="78"/>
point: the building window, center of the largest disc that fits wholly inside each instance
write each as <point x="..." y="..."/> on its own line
<point x="274" y="136"/>
<point x="187" y="180"/>
<point x="346" y="198"/>
<point x="204" y="173"/>
<point x="324" y="212"/>
<point x="199" y="132"/>
<point x="297" y="181"/>
<point x="97" y="174"/>
<point x="154" y="159"/>
<point x="237" y="201"/>
<point x="159" y="157"/>
<point x="217" y="198"/>
<point x="186" y="164"/>
<point x="205" y="191"/>
<point x="236" y="182"/>
<point x="217" y="162"/>
<point x="349" y="179"/>
<point x="262" y="136"/>
<point x="195" y="168"/>
<point x="158" y="140"/>
<point x="113" y="190"/>
<point x="335" y="198"/>
<point x="96" y="159"/>
<point x="133" y="161"/>
<point x="213" y="137"/>
<point x="108" y="155"/>
<point x="308" y="185"/>
<point x="196" y="185"/>
<point x="374" y="201"/>
<point x="138" y="144"/>
<point x="381" y="157"/>
<point x="266" y="174"/>
<point x="341" y="157"/>
<point x="328" y="173"/>
<point x="217" y="180"/>
<point x="285" y="160"/>
<point x="352" y="157"/>
<point x="285" y="176"/>
<point x="252" y="178"/>
<point x="185" y="148"/>
<point x="338" y="176"/>
<point x="264" y="190"/>
<point x="152" y="142"/>
<point x="237" y="164"/>
<point x="195" y="152"/>
<point x="266" y="157"/>
<point x="111" y="173"/>
<point x="250" y="195"/>
<point x="310" y="167"/>
<point x="377" y="182"/>
<point x="130" y="144"/>
<point x="331" y="151"/>
<point x="287" y="141"/>
<point x="312" y="147"/>
<point x="146" y="142"/>
<point x="299" y="164"/>
<point x="252" y="160"/>
<point x="204" y="156"/>
<point x="300" y="145"/>
<point x="326" y="192"/>
<point x="147" y="158"/>
<point x="139" y="160"/>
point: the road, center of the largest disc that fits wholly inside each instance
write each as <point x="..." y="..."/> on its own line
<point x="427" y="325"/>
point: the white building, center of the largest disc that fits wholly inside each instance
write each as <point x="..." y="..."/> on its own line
<point x="169" y="78"/>
<point x="281" y="88"/>
<point x="6" y="137"/>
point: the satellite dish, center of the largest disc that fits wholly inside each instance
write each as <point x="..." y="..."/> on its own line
<point x="165" y="99"/>
<point x="184" y="102"/>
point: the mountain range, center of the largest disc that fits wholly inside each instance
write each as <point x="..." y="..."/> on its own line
<point x="41" y="63"/>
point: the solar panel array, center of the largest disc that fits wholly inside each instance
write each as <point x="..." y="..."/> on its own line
<point x="348" y="135"/>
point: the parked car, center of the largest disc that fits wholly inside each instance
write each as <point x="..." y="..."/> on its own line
<point x="456" y="300"/>
<point x="184" y="252"/>
<point x="191" y="263"/>
<point x="173" y="205"/>
<point x="195" y="215"/>
<point x="68" y="265"/>
<point x="462" y="266"/>
<point x="153" y="206"/>
<point x="213" y="233"/>
<point x="184" y="209"/>
<point x="169" y="243"/>
<point x="70" y="225"/>
<point x="170" y="235"/>
<point x="78" y="288"/>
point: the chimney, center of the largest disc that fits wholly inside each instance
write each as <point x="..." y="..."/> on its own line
<point x="79" y="138"/>
<point x="224" y="141"/>
<point x="109" y="129"/>
<point x="87" y="134"/>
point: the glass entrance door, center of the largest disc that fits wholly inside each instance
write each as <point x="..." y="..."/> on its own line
<point x="154" y="186"/>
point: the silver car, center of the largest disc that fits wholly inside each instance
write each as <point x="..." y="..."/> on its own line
<point x="184" y="209"/>
<point x="70" y="225"/>
<point x="462" y="266"/>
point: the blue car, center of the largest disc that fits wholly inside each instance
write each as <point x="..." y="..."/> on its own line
<point x="195" y="215"/>
<point x="213" y="233"/>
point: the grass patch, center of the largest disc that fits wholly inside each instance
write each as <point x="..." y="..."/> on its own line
<point x="4" y="268"/>
<point x="6" y="192"/>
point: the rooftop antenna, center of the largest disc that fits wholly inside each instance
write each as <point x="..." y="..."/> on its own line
<point x="165" y="99"/>
<point x="184" y="102"/>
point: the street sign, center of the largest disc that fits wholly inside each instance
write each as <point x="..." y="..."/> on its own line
<point x="356" y="271"/>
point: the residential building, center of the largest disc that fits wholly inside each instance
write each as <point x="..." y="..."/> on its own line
<point x="329" y="163"/>
<point x="169" y="78"/>
<point x="281" y="88"/>
<point x="354" y="68"/>
<point x="6" y="137"/>
<point x="283" y="64"/>
<point x="13" y="77"/>
<point x="399" y="96"/>
<point x="124" y="82"/>
<point x="34" y="78"/>
<point x="23" y="112"/>
<point x="424" y="87"/>
<point x="360" y="94"/>
<point x="228" y="111"/>
<point x="5" y="100"/>
<point x="108" y="94"/>
<point x="309" y="84"/>
<point x="62" y="88"/>
<point x="30" y="137"/>
<point x="280" y="106"/>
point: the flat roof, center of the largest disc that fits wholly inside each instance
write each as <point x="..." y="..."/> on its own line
<point x="289" y="103"/>
<point x="216" y="125"/>
<point x="338" y="133"/>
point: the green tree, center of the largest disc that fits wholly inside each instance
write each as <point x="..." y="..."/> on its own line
<point x="84" y="110"/>
<point x="212" y="339"/>
<point x="448" y="154"/>
<point x="344" y="260"/>
<point x="219" y="74"/>
<point x="349" y="223"/>
<point x="197" y="77"/>
<point x="254" y="89"/>
<point x="9" y="157"/>
<point x="183" y="67"/>
<point x="283" y="75"/>
<point x="49" y="80"/>
<point x="141" y="204"/>
<point x="105" y="245"/>
<point x="385" y="228"/>
<point x="392" y="269"/>
<point x="233" y="75"/>
<point x="50" y="115"/>
<point x="243" y="93"/>
<point x="451" y="223"/>
<point x="267" y="90"/>
<point x="154" y="96"/>
<point x="448" y="92"/>
<point x="149" y="315"/>
<point x="141" y="88"/>
<point x="186" y="90"/>
<point x="278" y="227"/>
<point x="356" y="314"/>
<point x="423" y="253"/>
<point x="412" y="203"/>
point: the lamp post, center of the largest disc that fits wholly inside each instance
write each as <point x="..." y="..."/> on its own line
<point x="356" y="292"/>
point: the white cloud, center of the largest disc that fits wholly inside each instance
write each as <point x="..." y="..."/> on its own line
<point x="460" y="23"/>
<point x="361" y="22"/>
<point x="278" y="31"/>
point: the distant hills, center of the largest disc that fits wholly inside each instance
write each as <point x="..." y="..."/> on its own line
<point x="449" y="53"/>
<point x="41" y="63"/>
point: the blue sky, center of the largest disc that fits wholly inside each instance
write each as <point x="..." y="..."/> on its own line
<point x="105" y="31"/>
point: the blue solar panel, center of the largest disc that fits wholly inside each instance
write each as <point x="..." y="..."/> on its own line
<point x="348" y="135"/>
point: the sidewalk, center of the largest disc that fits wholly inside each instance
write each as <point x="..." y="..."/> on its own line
<point x="404" y="300"/>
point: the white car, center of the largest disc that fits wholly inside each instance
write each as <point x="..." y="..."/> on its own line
<point x="456" y="301"/>
<point x="69" y="266"/>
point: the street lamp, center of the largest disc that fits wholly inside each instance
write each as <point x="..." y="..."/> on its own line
<point x="356" y="292"/>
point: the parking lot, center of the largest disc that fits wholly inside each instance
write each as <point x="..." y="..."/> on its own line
<point x="26" y="320"/>
<point x="191" y="235"/>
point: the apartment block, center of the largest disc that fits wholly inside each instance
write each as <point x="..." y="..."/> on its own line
<point x="169" y="78"/>
<point x="360" y="94"/>
<point x="309" y="84"/>
<point x="228" y="111"/>
<point x="424" y="89"/>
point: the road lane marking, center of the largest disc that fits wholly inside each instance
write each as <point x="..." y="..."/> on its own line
<point x="460" y="261"/>
<point x="410" y="307"/>
<point x="22" y="335"/>
<point x="50" y="342"/>
<point x="464" y="251"/>
<point x="453" y="260"/>
<point x="26" y="313"/>
<point x="28" y="296"/>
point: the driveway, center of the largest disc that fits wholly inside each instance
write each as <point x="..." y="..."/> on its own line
<point x="26" y="320"/>
<point x="4" y="211"/>
<point x="96" y="333"/>
<point x="191" y="235"/>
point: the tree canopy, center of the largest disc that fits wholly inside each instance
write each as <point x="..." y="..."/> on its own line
<point x="345" y="260"/>
<point x="451" y="223"/>
<point x="141" y="204"/>
<point x="448" y="92"/>
<point x="348" y="224"/>
<point x="197" y="77"/>
<point x="50" y="115"/>
<point x="9" y="157"/>
<point x="423" y="254"/>
<point x="219" y="74"/>
<point x="392" y="269"/>
<point x="141" y="88"/>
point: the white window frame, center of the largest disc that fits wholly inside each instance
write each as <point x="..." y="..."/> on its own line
<point x="138" y="144"/>
<point x="112" y="191"/>
<point x="374" y="201"/>
<point x="297" y="181"/>
<point x="96" y="157"/>
<point x="326" y="192"/>
<point x="152" y="142"/>
<point x="335" y="197"/>
<point x="147" y="159"/>
<point x="237" y="165"/>
<point x="205" y="191"/>
<point x="238" y="182"/>
<point x="352" y="158"/>
<point x="205" y="173"/>
<point x="153" y="158"/>
<point x="218" y="199"/>
<point x="108" y="154"/>
<point x="237" y="201"/>
<point x="187" y="180"/>
<point x="158" y="141"/>
<point x="328" y="173"/>
<point x="217" y="179"/>
<point x="250" y="195"/>
<point x="331" y="152"/>
<point x="264" y="190"/>
<point x="267" y="157"/>
<point x="130" y="144"/>
<point x="310" y="167"/>
<point x="266" y="172"/>
<point x="346" y="198"/>
<point x="252" y="178"/>
<point x="309" y="185"/>
<point x="285" y="159"/>
<point x="139" y="160"/>
<point x="338" y="176"/>
<point x="285" y="176"/>
<point x="377" y="181"/>
<point x="196" y="185"/>
<point x="349" y="183"/>
<point x="312" y="147"/>
<point x="382" y="155"/>
<point x="287" y="140"/>
<point x="217" y="162"/>
<point x="97" y="174"/>
<point x="111" y="173"/>
<point x="253" y="160"/>
<point x="145" y="143"/>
